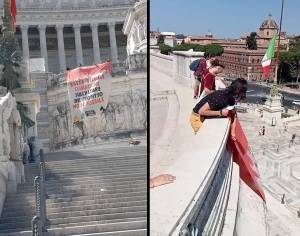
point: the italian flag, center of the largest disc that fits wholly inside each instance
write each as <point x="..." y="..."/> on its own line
<point x="266" y="61"/>
<point x="13" y="12"/>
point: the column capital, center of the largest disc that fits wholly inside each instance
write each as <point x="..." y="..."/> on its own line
<point x="59" y="26"/>
<point x="94" y="25"/>
<point x="42" y="27"/>
<point x="77" y="26"/>
<point x="24" y="27"/>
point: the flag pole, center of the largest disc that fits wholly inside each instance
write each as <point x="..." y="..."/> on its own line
<point x="278" y="45"/>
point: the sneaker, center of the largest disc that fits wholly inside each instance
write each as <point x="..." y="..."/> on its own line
<point x="195" y="97"/>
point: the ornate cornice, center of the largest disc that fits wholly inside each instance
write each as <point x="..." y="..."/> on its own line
<point x="72" y="17"/>
<point x="37" y="5"/>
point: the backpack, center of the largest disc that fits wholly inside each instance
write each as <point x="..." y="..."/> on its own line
<point x="194" y="65"/>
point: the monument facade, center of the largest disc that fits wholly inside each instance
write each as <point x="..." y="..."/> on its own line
<point x="56" y="36"/>
<point x="69" y="33"/>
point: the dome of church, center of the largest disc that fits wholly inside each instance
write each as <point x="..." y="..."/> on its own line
<point x="269" y="23"/>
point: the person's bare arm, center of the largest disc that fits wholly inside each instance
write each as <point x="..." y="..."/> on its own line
<point x="208" y="91"/>
<point x="161" y="180"/>
<point x="233" y="127"/>
<point x="206" y="111"/>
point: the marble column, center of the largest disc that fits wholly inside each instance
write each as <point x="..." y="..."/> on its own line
<point x="25" y="45"/>
<point x="96" y="49"/>
<point x="78" y="46"/>
<point x="113" y="42"/>
<point x="61" y="47"/>
<point x="43" y="44"/>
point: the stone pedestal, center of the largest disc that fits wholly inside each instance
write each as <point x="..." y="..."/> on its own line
<point x="272" y="110"/>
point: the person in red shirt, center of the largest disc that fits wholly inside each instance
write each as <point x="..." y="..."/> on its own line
<point x="199" y="74"/>
<point x="208" y="81"/>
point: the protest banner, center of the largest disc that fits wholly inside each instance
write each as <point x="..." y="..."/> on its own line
<point x="89" y="88"/>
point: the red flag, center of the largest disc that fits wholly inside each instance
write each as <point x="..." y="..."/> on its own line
<point x="243" y="157"/>
<point x="13" y="12"/>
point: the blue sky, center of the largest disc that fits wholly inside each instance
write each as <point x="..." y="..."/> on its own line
<point x="224" y="18"/>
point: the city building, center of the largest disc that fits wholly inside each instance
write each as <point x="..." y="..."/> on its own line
<point x="169" y="38"/>
<point x="238" y="60"/>
<point x="266" y="31"/>
<point x="244" y="63"/>
<point x="154" y="37"/>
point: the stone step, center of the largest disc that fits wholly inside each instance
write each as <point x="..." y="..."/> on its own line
<point x="92" y="191"/>
<point x="101" y="192"/>
<point x="24" y="231"/>
<point x="79" y="207"/>
<point x="93" y="157"/>
<point x="57" y="206"/>
<point x="77" y="188"/>
<point x="96" y="165"/>
<point x="82" y="184"/>
<point x="79" y="198"/>
<point x="69" y="195"/>
<point x="85" y="171"/>
<point x="95" y="211"/>
<point x="58" y="221"/>
<point x="70" y="157"/>
<point x="96" y="173"/>
<point x="138" y="232"/>
<point x="82" y="169"/>
<point x="87" y="176"/>
<point x="83" y="181"/>
<point x="88" y="164"/>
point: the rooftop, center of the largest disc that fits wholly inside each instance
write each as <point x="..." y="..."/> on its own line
<point x="269" y="23"/>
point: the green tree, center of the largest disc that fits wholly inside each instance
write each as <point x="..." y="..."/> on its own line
<point x="214" y="50"/>
<point x="289" y="62"/>
<point x="10" y="53"/>
<point x="165" y="49"/>
<point x="251" y="41"/>
<point x="160" y="39"/>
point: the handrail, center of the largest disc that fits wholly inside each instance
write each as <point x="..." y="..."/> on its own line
<point x="39" y="221"/>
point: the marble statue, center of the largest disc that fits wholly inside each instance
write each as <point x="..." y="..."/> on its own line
<point x="110" y="117"/>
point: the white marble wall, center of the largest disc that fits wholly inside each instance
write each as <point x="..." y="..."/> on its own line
<point x="11" y="165"/>
<point x="126" y="112"/>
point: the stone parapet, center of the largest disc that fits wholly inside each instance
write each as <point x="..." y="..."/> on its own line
<point x="207" y="171"/>
<point x="208" y="197"/>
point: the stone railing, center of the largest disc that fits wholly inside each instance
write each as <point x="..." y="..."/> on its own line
<point x="181" y="70"/>
<point x="161" y="62"/>
<point x="11" y="165"/>
<point x="179" y="63"/>
<point x="208" y="197"/>
<point x="204" y="177"/>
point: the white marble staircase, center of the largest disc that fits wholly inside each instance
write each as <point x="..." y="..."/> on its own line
<point x="96" y="191"/>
